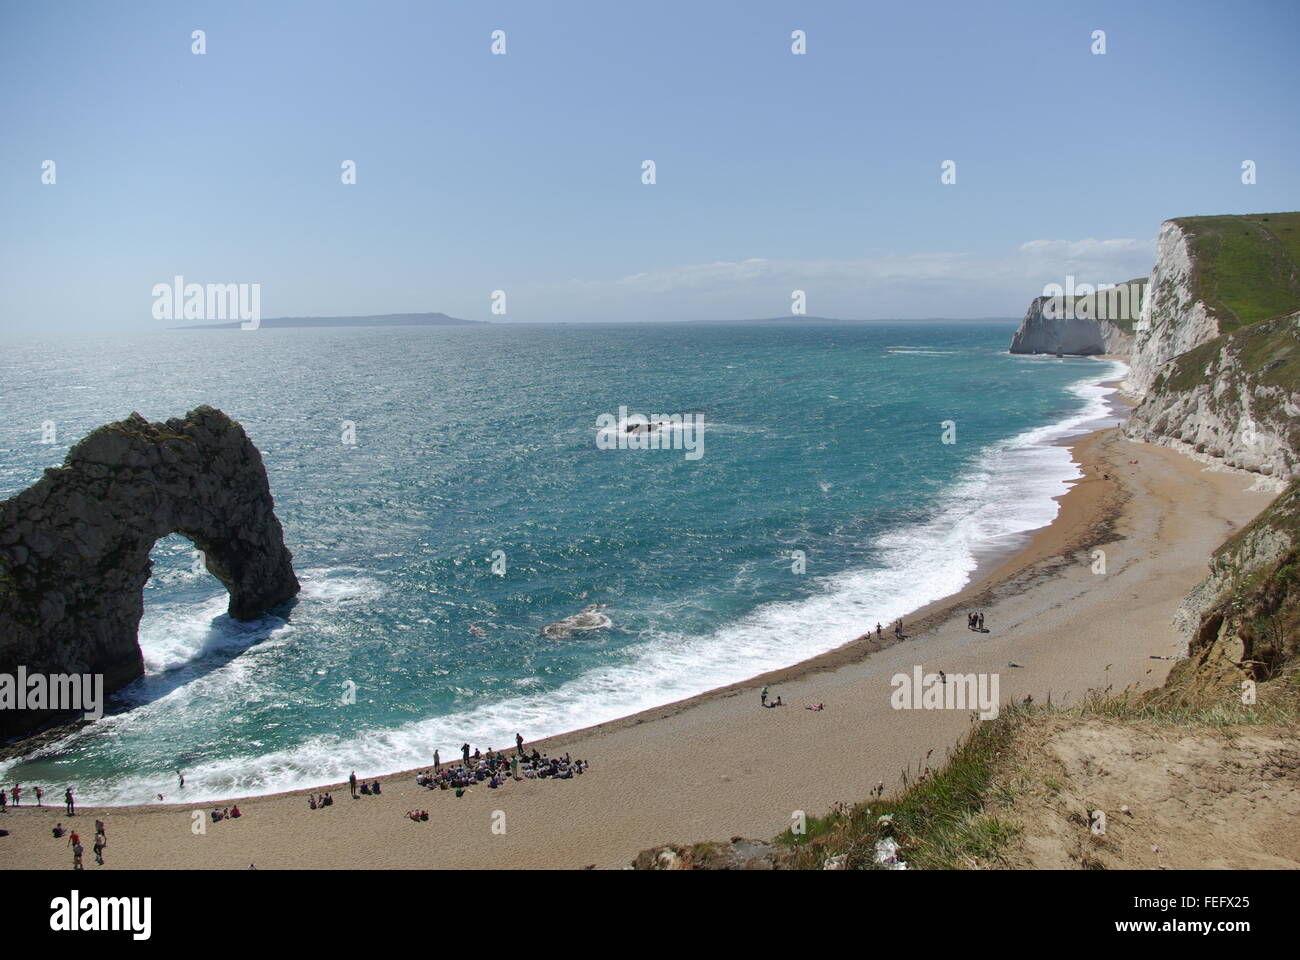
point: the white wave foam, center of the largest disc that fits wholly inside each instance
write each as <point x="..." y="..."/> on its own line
<point x="1010" y="493"/>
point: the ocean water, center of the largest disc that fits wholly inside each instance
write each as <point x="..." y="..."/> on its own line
<point x="825" y="439"/>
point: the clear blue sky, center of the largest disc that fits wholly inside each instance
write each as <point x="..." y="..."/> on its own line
<point x="523" y="172"/>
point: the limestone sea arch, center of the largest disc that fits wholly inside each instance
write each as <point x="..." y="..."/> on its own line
<point x="74" y="546"/>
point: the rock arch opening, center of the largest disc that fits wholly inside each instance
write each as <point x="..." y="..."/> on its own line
<point x="75" y="546"/>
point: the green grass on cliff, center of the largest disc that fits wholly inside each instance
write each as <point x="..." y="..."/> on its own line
<point x="1268" y="354"/>
<point x="1248" y="266"/>
<point x="940" y="818"/>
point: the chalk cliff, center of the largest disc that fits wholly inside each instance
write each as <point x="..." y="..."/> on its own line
<point x="74" y="547"/>
<point x="1079" y="331"/>
<point x="1215" y="361"/>
<point x="1235" y="398"/>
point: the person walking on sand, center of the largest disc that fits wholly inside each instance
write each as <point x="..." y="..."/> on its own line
<point x="68" y="802"/>
<point x="77" y="851"/>
<point x="519" y="744"/>
<point x="352" y="784"/>
<point x="762" y="696"/>
<point x="99" y="849"/>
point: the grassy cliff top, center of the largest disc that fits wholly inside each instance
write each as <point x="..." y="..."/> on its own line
<point x="1268" y="353"/>
<point x="1248" y="266"/>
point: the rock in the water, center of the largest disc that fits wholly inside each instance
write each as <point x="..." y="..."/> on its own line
<point x="74" y="547"/>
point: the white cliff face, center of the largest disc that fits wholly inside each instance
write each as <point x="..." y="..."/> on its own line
<point x="1210" y="403"/>
<point x="1174" y="320"/>
<point x="1076" y="335"/>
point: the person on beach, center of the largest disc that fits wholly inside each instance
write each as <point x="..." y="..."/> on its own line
<point x="464" y="753"/>
<point x="3" y="802"/>
<point x="981" y="622"/>
<point x="878" y="634"/>
<point x="514" y="767"/>
<point x="39" y="794"/>
<point x="437" y="760"/>
<point x="68" y="802"/>
<point x="58" y="831"/>
<point x="17" y="792"/>
<point x="762" y="696"/>
<point x="352" y="784"/>
<point x="99" y="849"/>
<point x="77" y="851"/>
<point x="519" y="744"/>
<point x="180" y="775"/>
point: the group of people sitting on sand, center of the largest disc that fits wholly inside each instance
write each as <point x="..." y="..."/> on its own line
<point x="418" y="815"/>
<point x="495" y="769"/>
<point x="226" y="813"/>
<point x="324" y="800"/>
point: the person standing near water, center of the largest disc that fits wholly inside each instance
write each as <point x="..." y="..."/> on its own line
<point x="67" y="801"/>
<point x="519" y="744"/>
<point x="762" y="696"/>
<point x="352" y="784"/>
<point x="437" y="760"/>
<point x="464" y="753"/>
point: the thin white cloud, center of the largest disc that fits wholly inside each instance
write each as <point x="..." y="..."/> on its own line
<point x="940" y="283"/>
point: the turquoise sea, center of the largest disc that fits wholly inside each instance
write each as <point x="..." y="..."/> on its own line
<point x="821" y="438"/>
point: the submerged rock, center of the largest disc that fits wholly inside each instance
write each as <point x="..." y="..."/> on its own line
<point x="74" y="547"/>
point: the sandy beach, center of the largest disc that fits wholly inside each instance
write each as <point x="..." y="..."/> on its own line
<point x="720" y="765"/>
